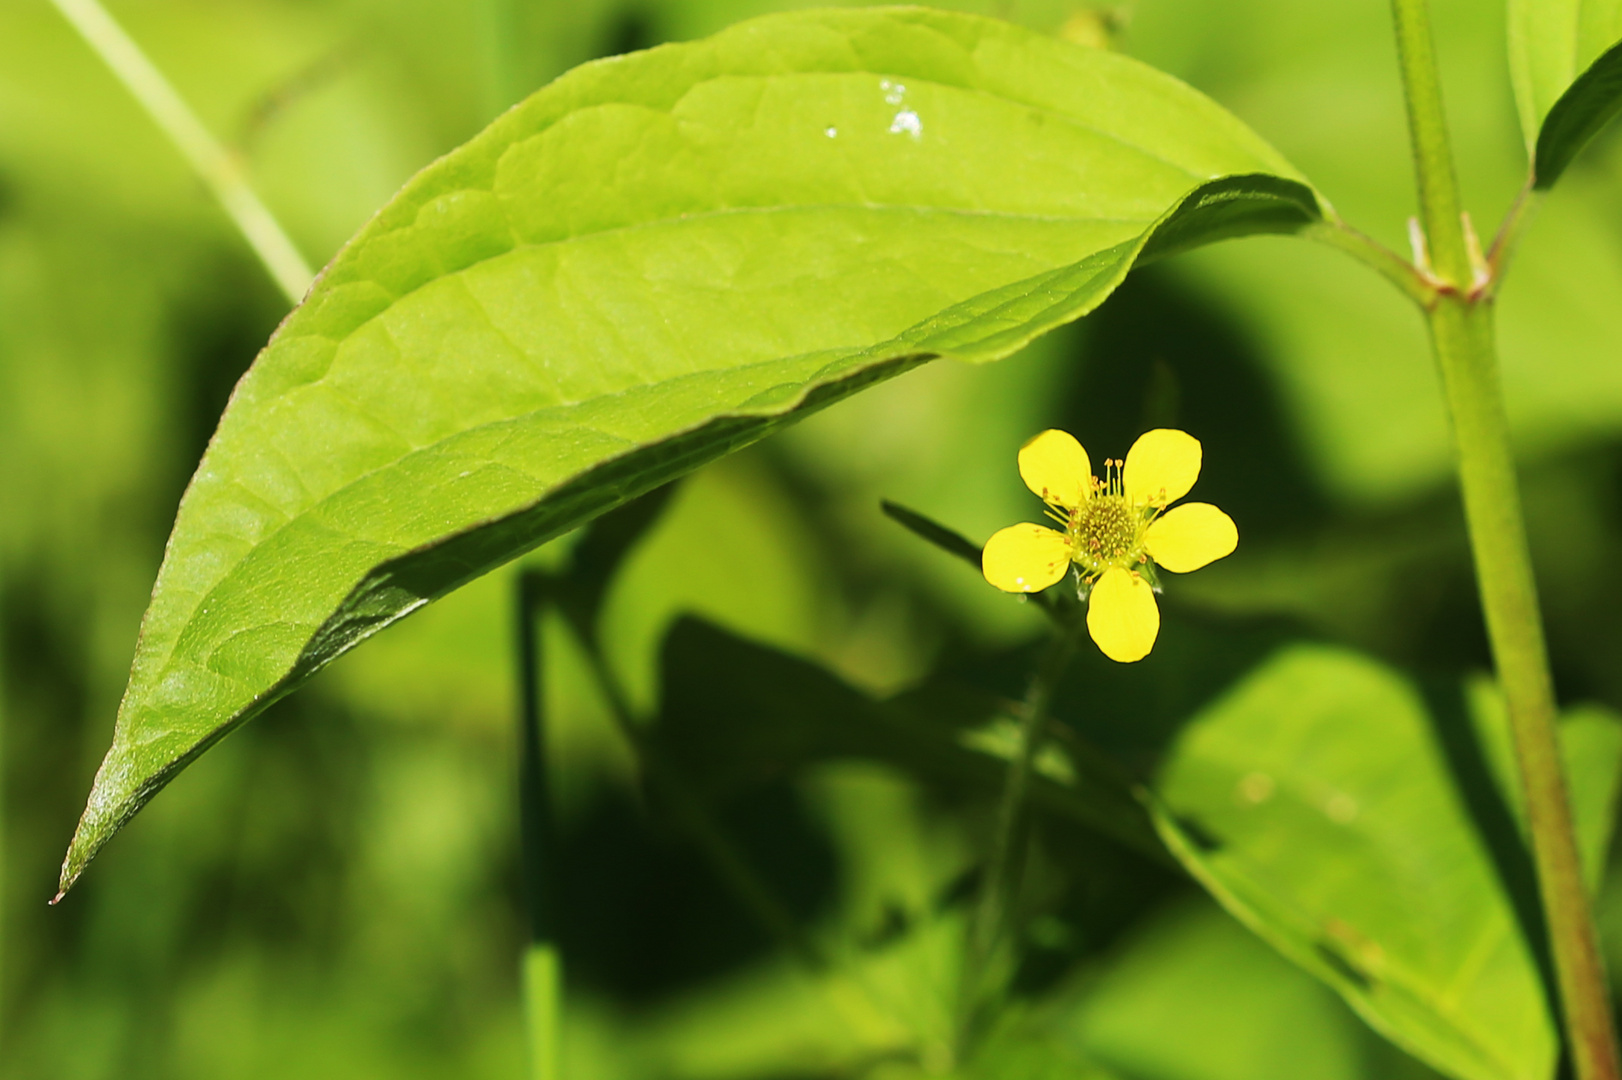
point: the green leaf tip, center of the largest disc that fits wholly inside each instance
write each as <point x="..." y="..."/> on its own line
<point x="652" y="262"/>
<point x="1588" y="105"/>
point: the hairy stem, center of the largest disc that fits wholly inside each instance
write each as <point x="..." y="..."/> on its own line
<point x="999" y="892"/>
<point x="1439" y="207"/>
<point x="217" y="167"/>
<point x="1462" y="335"/>
<point x="1461" y="329"/>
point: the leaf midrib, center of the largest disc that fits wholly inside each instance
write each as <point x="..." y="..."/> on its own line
<point x="704" y="215"/>
<point x="616" y="230"/>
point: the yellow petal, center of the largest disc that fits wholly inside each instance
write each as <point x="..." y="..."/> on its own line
<point x="1122" y="616"/>
<point x="1161" y="466"/>
<point x="1025" y="558"/>
<point x="1056" y="467"/>
<point x="1187" y="537"/>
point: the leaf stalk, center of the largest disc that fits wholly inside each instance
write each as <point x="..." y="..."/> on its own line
<point x="1410" y="278"/>
<point x="1510" y="230"/>
<point x="1462" y="338"/>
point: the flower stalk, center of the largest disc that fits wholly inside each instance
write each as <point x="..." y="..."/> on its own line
<point x="999" y="893"/>
<point x="1460" y="320"/>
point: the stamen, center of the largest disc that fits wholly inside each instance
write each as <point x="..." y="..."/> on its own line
<point x="1107" y="531"/>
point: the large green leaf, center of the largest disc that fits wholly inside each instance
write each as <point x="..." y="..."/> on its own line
<point x="1361" y="824"/>
<point x="1565" y="89"/>
<point x="655" y="260"/>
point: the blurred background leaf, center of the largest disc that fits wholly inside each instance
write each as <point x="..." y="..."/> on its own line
<point x="1355" y="822"/>
<point x="1551" y="45"/>
<point x="1582" y="112"/>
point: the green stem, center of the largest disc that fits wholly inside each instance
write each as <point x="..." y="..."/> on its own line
<point x="1462" y="335"/>
<point x="543" y="1009"/>
<point x="215" y="165"/>
<point x="990" y="922"/>
<point x="1461" y="329"/>
<point x="3" y="938"/>
<point x="1440" y="210"/>
<point x="542" y="974"/>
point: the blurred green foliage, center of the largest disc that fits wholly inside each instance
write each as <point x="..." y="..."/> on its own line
<point x="334" y="890"/>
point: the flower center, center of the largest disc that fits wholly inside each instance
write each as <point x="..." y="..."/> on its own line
<point x="1105" y="531"/>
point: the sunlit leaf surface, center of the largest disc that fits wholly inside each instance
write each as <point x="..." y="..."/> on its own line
<point x="1360" y="824"/>
<point x="654" y="261"/>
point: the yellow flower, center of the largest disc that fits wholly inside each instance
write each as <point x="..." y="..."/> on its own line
<point x="1116" y="531"/>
